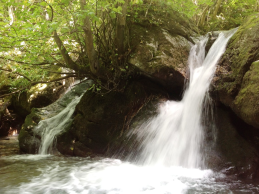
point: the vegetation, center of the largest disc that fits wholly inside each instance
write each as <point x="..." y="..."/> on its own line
<point x="44" y="39"/>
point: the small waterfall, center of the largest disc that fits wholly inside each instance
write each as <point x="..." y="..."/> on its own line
<point x="175" y="136"/>
<point x="57" y="117"/>
<point x="50" y="127"/>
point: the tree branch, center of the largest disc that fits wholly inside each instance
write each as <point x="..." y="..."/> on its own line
<point x="34" y="83"/>
<point x="54" y="80"/>
<point x="89" y="41"/>
<point x="16" y="73"/>
<point x="69" y="62"/>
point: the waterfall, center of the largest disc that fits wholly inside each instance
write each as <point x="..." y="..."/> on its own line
<point x="175" y="136"/>
<point x="51" y="127"/>
<point x="56" y="117"/>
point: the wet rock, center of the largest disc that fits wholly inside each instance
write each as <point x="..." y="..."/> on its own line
<point x="246" y="103"/>
<point x="212" y="38"/>
<point x="29" y="140"/>
<point x="235" y="82"/>
<point x="102" y="121"/>
<point x="234" y="151"/>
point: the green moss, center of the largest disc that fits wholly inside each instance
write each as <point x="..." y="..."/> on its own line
<point x="239" y="55"/>
<point x="247" y="100"/>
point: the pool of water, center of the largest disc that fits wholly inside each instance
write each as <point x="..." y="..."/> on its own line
<point x="41" y="174"/>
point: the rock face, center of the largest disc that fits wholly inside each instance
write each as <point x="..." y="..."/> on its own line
<point x="236" y="80"/>
<point x="233" y="151"/>
<point x="235" y="85"/>
<point x="102" y="121"/>
<point x="162" y="46"/>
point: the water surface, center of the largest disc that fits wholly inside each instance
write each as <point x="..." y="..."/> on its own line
<point x="37" y="174"/>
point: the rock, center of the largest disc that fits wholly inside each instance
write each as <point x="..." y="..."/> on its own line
<point x="39" y="96"/>
<point x="234" y="151"/>
<point x="161" y="46"/>
<point x="235" y="80"/>
<point x="246" y="103"/>
<point x="102" y="121"/>
<point x="212" y="38"/>
<point x="29" y="140"/>
<point x="4" y="126"/>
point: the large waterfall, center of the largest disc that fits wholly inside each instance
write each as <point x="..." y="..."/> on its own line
<point x="175" y="136"/>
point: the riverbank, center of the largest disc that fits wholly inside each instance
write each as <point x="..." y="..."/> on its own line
<point x="9" y="146"/>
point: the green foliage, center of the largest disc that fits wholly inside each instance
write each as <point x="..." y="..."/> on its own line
<point x="28" y="48"/>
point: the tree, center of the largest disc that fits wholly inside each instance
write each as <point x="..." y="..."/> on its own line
<point x="41" y="39"/>
<point x="41" y="36"/>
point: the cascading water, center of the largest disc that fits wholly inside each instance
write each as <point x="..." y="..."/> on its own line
<point x="175" y="136"/>
<point x="49" y="128"/>
<point x="57" y="117"/>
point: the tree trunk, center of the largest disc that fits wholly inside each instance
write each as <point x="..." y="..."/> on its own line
<point x="120" y="28"/>
<point x="216" y="9"/>
<point x="89" y="42"/>
<point x="69" y="62"/>
<point x="201" y="21"/>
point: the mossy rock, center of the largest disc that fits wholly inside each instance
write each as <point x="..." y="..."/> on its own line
<point x="246" y="103"/>
<point x="161" y="46"/>
<point x="230" y="83"/>
<point x="29" y="139"/>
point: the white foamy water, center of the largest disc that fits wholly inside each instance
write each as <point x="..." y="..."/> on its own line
<point x="51" y="127"/>
<point x="72" y="175"/>
<point x="175" y="136"/>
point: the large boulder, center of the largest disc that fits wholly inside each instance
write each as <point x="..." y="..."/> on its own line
<point x="160" y="49"/>
<point x="236" y="79"/>
<point x="161" y="46"/>
<point x="101" y="122"/>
